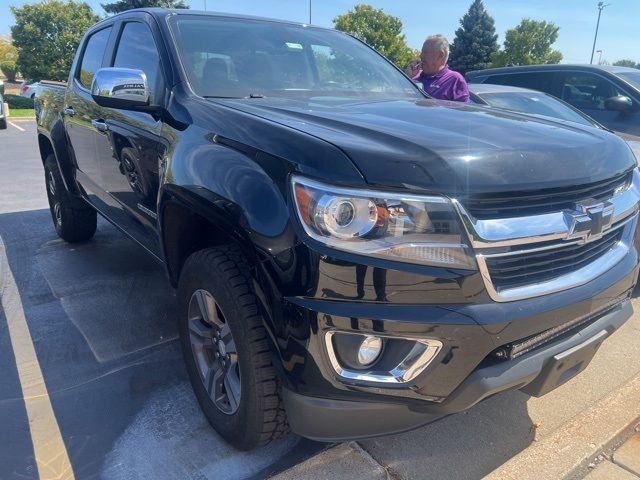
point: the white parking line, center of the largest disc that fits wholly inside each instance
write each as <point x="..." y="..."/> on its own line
<point x="14" y="125"/>
<point x="49" y="449"/>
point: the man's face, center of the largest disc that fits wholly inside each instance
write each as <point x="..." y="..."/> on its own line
<point x="432" y="59"/>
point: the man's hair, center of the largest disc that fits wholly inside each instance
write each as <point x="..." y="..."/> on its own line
<point x="437" y="42"/>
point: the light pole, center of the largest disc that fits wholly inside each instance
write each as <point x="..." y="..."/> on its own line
<point x="309" y="12"/>
<point x="600" y="57"/>
<point x="601" y="6"/>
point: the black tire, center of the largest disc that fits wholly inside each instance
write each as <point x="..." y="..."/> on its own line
<point x="73" y="220"/>
<point x="3" y="124"/>
<point x="260" y="416"/>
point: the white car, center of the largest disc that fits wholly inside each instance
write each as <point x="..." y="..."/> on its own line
<point x="29" y="90"/>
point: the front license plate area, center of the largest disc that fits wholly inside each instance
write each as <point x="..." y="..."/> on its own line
<point x="564" y="366"/>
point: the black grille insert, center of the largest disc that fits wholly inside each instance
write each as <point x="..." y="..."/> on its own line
<point x="511" y="271"/>
<point x="517" y="204"/>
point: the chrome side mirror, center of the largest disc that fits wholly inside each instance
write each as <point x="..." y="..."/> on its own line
<point x="123" y="88"/>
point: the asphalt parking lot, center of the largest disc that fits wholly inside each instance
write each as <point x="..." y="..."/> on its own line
<point x="100" y="317"/>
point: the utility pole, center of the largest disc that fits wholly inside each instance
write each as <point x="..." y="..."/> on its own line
<point x="205" y="5"/>
<point x="601" y="6"/>
<point x="309" y="12"/>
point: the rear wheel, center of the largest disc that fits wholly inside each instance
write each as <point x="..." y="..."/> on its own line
<point x="226" y="349"/>
<point x="3" y="123"/>
<point x="73" y="220"/>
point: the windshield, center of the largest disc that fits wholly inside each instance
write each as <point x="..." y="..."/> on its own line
<point x="632" y="78"/>
<point x="534" y="103"/>
<point x="226" y="57"/>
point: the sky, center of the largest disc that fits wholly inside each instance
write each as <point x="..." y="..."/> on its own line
<point x="618" y="37"/>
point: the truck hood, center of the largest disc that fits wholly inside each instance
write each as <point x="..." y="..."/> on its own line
<point x="451" y="147"/>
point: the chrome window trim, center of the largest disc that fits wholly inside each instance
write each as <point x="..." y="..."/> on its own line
<point x="421" y="355"/>
<point x="506" y="232"/>
<point x="570" y="280"/>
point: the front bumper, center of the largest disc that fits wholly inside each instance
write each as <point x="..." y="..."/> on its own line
<point x="535" y="373"/>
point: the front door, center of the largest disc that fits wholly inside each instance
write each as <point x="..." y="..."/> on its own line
<point x="129" y="161"/>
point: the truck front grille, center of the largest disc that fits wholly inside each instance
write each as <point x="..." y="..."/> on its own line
<point x="536" y="202"/>
<point x="527" y="267"/>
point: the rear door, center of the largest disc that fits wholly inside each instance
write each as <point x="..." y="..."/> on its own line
<point x="80" y="109"/>
<point x="129" y="162"/>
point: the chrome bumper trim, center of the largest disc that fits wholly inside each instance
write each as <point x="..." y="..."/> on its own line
<point x="420" y="356"/>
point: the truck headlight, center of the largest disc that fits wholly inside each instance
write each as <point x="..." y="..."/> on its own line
<point x="403" y="227"/>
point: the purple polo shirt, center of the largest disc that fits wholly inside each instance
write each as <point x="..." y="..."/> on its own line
<point x="445" y="85"/>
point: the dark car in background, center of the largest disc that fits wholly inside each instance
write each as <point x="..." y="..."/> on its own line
<point x="532" y="102"/>
<point x="610" y="95"/>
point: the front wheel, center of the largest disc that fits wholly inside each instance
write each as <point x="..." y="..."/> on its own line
<point x="74" y="222"/>
<point x="226" y="349"/>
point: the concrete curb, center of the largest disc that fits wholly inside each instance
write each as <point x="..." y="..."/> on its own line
<point x="567" y="452"/>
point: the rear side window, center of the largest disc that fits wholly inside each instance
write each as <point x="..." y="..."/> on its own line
<point x="535" y="81"/>
<point x="92" y="56"/>
<point x="137" y="49"/>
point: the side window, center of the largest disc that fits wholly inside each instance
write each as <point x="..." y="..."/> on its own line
<point x="542" y="81"/>
<point x="136" y="49"/>
<point x="587" y="91"/>
<point x="92" y="56"/>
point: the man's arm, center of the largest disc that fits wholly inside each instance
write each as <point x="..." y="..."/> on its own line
<point x="460" y="91"/>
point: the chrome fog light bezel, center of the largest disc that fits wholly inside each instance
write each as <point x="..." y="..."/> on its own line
<point x="423" y="352"/>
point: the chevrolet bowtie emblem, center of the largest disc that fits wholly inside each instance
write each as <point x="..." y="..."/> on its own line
<point x="589" y="220"/>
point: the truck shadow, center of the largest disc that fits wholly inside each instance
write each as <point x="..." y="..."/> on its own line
<point x="467" y="445"/>
<point x="102" y="317"/>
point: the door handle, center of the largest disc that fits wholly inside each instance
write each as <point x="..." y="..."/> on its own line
<point x="69" y="111"/>
<point x="100" y="125"/>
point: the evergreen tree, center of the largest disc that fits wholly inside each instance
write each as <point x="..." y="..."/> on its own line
<point x="476" y="40"/>
<point x="124" y="5"/>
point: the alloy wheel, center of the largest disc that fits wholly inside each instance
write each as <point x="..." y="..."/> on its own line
<point x="214" y="351"/>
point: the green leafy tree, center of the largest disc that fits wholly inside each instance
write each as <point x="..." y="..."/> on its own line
<point x="476" y="40"/>
<point x="383" y="32"/>
<point x="47" y="34"/>
<point x="626" y="63"/>
<point x="528" y="44"/>
<point x="124" y="5"/>
<point x="8" y="57"/>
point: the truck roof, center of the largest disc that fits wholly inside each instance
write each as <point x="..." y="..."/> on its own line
<point x="161" y="13"/>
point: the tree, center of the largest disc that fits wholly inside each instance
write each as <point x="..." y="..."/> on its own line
<point x="626" y="63"/>
<point x="8" y="57"/>
<point x="476" y="40"/>
<point x="383" y="32"/>
<point x="529" y="43"/>
<point x="123" y="5"/>
<point x="47" y="34"/>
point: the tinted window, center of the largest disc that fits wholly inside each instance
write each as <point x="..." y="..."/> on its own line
<point x="136" y="49"/>
<point x="229" y="57"/>
<point x="92" y="56"/>
<point x="587" y="91"/>
<point x="535" y="81"/>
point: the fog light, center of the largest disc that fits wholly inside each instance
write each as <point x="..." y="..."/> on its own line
<point x="369" y="350"/>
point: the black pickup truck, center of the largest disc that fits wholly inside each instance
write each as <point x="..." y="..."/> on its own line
<point x="351" y="257"/>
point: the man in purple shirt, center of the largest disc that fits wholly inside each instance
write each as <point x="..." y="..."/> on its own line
<point x="437" y="79"/>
